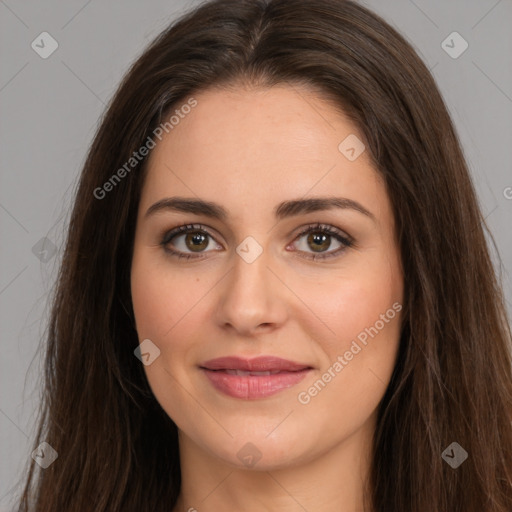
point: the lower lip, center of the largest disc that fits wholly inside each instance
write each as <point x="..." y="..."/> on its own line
<point x="251" y="387"/>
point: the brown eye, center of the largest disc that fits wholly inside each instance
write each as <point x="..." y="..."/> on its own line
<point x="196" y="241"/>
<point x="183" y="241"/>
<point x="318" y="239"/>
<point x="319" y="242"/>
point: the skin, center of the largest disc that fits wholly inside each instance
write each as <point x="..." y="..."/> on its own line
<point x="248" y="150"/>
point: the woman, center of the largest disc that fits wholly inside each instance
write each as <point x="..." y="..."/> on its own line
<point x="276" y="292"/>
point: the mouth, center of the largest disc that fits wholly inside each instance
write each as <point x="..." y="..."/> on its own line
<point x="252" y="379"/>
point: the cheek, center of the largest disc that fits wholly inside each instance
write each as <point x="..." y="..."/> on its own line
<point x="162" y="299"/>
<point x="348" y="304"/>
<point x="360" y="332"/>
<point x="165" y="305"/>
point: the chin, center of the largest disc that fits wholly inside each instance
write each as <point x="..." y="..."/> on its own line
<point x="261" y="453"/>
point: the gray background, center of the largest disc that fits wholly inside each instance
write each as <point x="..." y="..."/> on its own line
<point x="50" y="109"/>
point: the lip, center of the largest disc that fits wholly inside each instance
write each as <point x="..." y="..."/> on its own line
<point x="225" y="374"/>
<point x="256" y="364"/>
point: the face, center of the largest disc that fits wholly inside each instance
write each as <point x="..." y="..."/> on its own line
<point x="301" y="295"/>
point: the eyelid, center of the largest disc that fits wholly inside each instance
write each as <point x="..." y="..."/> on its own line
<point x="319" y="226"/>
<point x="184" y="229"/>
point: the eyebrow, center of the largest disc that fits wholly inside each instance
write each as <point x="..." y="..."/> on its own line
<point x="282" y="210"/>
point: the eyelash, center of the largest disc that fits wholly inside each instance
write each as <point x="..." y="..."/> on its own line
<point x="314" y="228"/>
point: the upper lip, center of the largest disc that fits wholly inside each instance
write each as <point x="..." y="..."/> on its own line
<point x="256" y="364"/>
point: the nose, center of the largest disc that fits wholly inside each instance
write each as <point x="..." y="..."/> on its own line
<point x="252" y="300"/>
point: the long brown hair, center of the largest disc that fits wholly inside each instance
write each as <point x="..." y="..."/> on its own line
<point x="118" y="449"/>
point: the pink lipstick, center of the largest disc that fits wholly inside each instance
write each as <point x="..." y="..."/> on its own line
<point x="251" y="379"/>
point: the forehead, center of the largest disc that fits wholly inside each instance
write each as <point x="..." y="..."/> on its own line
<point x="254" y="146"/>
<point x="232" y="123"/>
